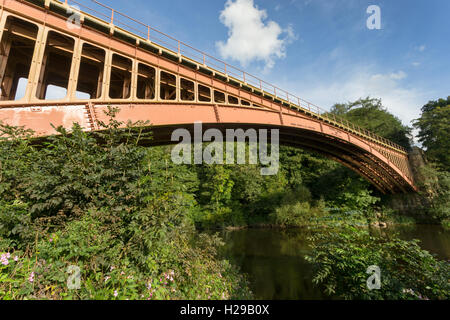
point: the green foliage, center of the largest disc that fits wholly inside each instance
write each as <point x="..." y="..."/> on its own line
<point x="295" y="215"/>
<point x="115" y="209"/>
<point x="295" y="209"/>
<point x="390" y="216"/>
<point x="356" y="199"/>
<point x="446" y="223"/>
<point x="434" y="134"/>
<point x="15" y="159"/>
<point x="341" y="258"/>
<point x="16" y="228"/>
<point x="337" y="185"/>
<point x="217" y="187"/>
<point x="437" y="196"/>
<point x="434" y="131"/>
<point x="73" y="172"/>
<point x="127" y="215"/>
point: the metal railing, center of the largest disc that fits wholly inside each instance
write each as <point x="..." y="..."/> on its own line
<point x="146" y="32"/>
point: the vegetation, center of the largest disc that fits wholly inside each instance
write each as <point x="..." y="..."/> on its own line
<point x="341" y="260"/>
<point x="434" y="132"/>
<point x="94" y="201"/>
<point x="435" y="190"/>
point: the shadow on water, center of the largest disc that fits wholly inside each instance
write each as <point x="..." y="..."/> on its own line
<point x="274" y="260"/>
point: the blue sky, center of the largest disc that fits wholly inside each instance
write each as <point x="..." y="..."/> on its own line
<point x="320" y="50"/>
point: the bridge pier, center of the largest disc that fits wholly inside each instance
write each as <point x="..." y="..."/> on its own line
<point x="414" y="204"/>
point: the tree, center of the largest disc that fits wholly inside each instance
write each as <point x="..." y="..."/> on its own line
<point x="437" y="196"/>
<point x="434" y="131"/>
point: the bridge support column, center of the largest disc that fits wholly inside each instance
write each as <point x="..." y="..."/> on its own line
<point x="3" y="17"/>
<point x="35" y="65"/>
<point x="107" y="76"/>
<point x="40" y="63"/>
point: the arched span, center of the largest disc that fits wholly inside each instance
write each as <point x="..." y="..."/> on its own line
<point x="350" y="156"/>
<point x="364" y="157"/>
<point x="354" y="153"/>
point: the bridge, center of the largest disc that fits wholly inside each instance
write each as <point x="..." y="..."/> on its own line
<point x="60" y="65"/>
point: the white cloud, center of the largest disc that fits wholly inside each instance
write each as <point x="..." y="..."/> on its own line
<point x="250" y="36"/>
<point x="416" y="64"/>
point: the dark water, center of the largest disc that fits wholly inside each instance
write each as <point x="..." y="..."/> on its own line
<point x="274" y="259"/>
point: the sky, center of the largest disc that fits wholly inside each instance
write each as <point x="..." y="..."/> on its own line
<point x="320" y="50"/>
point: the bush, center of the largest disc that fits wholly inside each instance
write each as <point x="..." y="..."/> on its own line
<point x="94" y="201"/>
<point x="291" y="215"/>
<point x="341" y="257"/>
<point x="16" y="225"/>
<point x="296" y="209"/>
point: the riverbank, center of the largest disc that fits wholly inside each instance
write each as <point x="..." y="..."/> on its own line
<point x="319" y="217"/>
<point x="379" y="224"/>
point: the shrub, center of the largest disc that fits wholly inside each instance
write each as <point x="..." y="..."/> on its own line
<point x="16" y="225"/>
<point x="290" y="215"/>
<point x="341" y="257"/>
<point x="94" y="201"/>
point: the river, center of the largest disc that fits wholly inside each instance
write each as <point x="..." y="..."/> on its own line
<point x="275" y="265"/>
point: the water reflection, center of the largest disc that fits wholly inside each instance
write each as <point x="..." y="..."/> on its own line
<point x="434" y="239"/>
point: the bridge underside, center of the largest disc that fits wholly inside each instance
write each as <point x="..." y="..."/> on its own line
<point x="360" y="161"/>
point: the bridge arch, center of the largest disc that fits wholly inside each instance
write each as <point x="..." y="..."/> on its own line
<point x="353" y="153"/>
